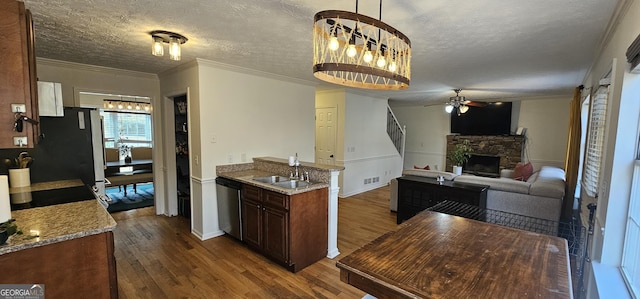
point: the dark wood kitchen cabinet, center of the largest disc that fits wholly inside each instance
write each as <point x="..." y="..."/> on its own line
<point x="289" y="229"/>
<point x="18" y="81"/>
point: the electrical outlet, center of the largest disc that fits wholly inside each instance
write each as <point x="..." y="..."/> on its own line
<point x="376" y="179"/>
<point x="196" y="160"/>
<point x="20" y="141"/>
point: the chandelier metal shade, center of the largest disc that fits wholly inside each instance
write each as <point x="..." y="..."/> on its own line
<point x="457" y="103"/>
<point x="355" y="50"/>
<point x="159" y="37"/>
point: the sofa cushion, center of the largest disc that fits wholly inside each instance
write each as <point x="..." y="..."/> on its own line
<point x="502" y="184"/>
<point x="449" y="176"/>
<point x="550" y="182"/>
<point x="522" y="172"/>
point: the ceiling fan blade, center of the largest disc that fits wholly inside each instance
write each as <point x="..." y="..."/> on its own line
<point x="475" y="104"/>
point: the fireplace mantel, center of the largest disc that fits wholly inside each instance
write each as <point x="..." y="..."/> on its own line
<point x="508" y="148"/>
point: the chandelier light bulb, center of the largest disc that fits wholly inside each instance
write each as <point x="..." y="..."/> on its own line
<point x="392" y="66"/>
<point x="368" y="56"/>
<point x="448" y="108"/>
<point x="146" y="108"/>
<point x="174" y="48"/>
<point x="110" y="105"/>
<point x="157" y="49"/>
<point x="120" y="106"/>
<point x="381" y="62"/>
<point x="352" y="51"/>
<point x="129" y="106"/>
<point x="138" y="107"/>
<point x="333" y="43"/>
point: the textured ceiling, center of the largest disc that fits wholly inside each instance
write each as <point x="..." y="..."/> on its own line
<point x="492" y="49"/>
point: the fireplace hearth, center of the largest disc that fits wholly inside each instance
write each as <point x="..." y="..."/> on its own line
<point x="483" y="165"/>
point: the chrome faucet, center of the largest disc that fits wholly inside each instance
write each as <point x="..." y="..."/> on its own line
<point x="296" y="164"/>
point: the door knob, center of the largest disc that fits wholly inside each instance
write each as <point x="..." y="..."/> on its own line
<point x="331" y="156"/>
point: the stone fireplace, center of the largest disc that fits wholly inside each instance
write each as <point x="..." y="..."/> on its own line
<point x="508" y="149"/>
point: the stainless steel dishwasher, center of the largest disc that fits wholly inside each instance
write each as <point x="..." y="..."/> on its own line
<point x="229" y="213"/>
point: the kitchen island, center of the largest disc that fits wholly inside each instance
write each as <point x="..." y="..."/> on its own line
<point x="67" y="247"/>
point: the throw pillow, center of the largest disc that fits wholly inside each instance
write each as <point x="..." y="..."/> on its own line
<point x="522" y="172"/>
<point x="425" y="168"/>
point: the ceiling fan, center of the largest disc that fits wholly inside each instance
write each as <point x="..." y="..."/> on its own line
<point x="460" y="104"/>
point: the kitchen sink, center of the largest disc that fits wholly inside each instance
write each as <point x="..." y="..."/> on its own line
<point x="292" y="184"/>
<point x="271" y="179"/>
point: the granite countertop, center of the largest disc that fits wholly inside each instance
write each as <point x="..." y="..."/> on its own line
<point x="58" y="223"/>
<point x="47" y="186"/>
<point x="246" y="177"/>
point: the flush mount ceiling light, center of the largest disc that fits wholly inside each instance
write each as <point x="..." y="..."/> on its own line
<point x="159" y="37"/>
<point x="458" y="103"/>
<point x="355" y="50"/>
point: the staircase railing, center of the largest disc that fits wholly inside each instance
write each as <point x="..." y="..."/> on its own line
<point x="396" y="132"/>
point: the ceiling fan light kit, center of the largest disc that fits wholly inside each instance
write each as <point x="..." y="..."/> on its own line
<point x="175" y="40"/>
<point x="457" y="103"/>
<point x="355" y="50"/>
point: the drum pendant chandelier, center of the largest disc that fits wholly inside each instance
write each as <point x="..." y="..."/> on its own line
<point x="355" y="50"/>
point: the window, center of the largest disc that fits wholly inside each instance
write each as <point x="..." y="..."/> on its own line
<point x="631" y="254"/>
<point x="595" y="141"/>
<point x="122" y="128"/>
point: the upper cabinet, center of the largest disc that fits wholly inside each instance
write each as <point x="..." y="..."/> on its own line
<point x="18" y="81"/>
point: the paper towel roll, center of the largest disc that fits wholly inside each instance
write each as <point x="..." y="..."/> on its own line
<point x="5" y="204"/>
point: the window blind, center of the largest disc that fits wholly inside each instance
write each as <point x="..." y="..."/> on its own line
<point x="595" y="141"/>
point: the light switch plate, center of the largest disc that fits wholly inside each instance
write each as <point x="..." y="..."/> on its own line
<point x="20" y="141"/>
<point x="17" y="108"/>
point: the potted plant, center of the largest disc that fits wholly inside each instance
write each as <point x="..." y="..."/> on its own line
<point x="125" y="151"/>
<point x="459" y="155"/>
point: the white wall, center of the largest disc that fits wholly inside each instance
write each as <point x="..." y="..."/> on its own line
<point x="427" y="127"/>
<point x="369" y="152"/>
<point x="546" y="120"/>
<point x="237" y="114"/>
<point x="362" y="144"/>
<point x="547" y="123"/>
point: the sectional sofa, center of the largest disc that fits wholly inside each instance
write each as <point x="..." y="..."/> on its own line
<point x="540" y="196"/>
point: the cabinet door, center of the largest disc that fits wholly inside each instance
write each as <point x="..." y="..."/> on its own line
<point x="251" y="223"/>
<point x="276" y="233"/>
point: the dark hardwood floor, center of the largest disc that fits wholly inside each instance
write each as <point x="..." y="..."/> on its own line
<point x="158" y="257"/>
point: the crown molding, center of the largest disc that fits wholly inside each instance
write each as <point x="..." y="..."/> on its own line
<point x="254" y="72"/>
<point x="94" y="68"/>
<point x="187" y="65"/>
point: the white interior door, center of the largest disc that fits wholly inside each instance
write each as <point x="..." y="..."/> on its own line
<point x="326" y="130"/>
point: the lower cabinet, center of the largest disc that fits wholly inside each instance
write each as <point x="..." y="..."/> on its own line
<point x="291" y="230"/>
<point x="78" y="268"/>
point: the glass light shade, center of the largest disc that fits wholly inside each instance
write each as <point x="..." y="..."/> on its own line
<point x="146" y="108"/>
<point x="110" y="105"/>
<point x="138" y="107"/>
<point x="333" y="43"/>
<point x="129" y="106"/>
<point x="352" y="51"/>
<point x="464" y="108"/>
<point x="157" y="48"/>
<point x="174" y="48"/>
<point x="448" y="108"/>
<point x="368" y="56"/>
<point x="120" y="106"/>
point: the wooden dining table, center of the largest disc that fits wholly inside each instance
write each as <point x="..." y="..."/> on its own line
<point x="436" y="255"/>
